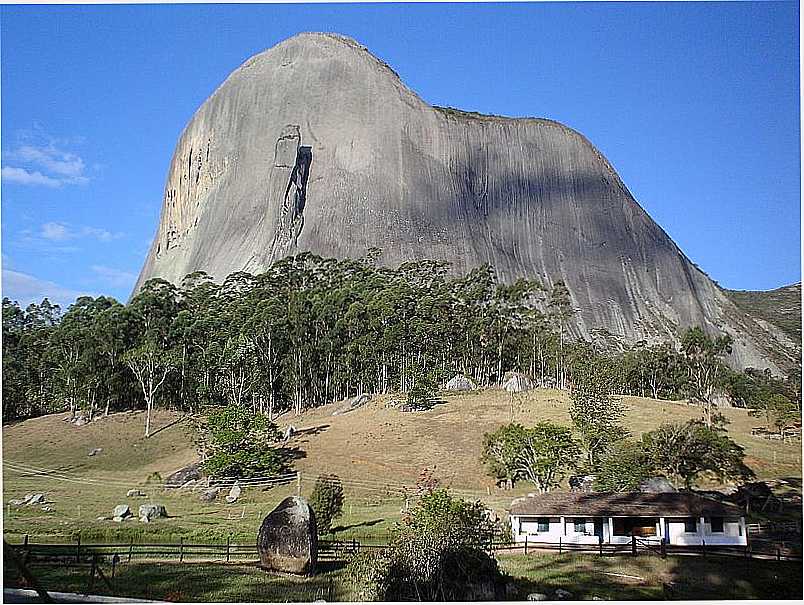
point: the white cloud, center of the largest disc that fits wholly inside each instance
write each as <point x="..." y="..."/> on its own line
<point x="115" y="277"/>
<point x="45" y="165"/>
<point x="60" y="232"/>
<point x="25" y="289"/>
<point x="20" y="176"/>
<point x="52" y="159"/>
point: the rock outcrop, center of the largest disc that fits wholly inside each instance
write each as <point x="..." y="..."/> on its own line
<point x="288" y="538"/>
<point x="316" y="145"/>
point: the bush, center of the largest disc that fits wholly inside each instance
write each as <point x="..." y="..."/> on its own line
<point x="438" y="556"/>
<point x="326" y="501"/>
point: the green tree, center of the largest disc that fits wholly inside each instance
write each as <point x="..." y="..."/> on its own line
<point x="240" y="443"/>
<point x="501" y="450"/>
<point x="624" y="467"/>
<point x="326" y="501"/>
<point x="703" y="355"/>
<point x="150" y="365"/>
<point x="686" y="451"/>
<point x="595" y="413"/>
<point x="547" y="454"/>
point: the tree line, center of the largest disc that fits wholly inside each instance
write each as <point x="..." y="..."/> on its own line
<point x="309" y="331"/>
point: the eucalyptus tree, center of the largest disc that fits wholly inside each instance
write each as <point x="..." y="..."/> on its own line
<point x="704" y="355"/>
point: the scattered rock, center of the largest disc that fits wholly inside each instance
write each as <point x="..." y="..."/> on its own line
<point x="234" y="494"/>
<point x="144" y="520"/>
<point x="102" y="518"/>
<point x="118" y="519"/>
<point x="36" y="499"/>
<point x="46" y="509"/>
<point x="183" y="475"/>
<point x="134" y="493"/>
<point x="459" y="382"/>
<point x="95" y="451"/>
<point x="562" y="595"/>
<point x="537" y="596"/>
<point x="152" y="511"/>
<point x="80" y="421"/>
<point x="517" y="383"/>
<point x="16" y="502"/>
<point x="656" y="485"/>
<point x="121" y="510"/>
<point x="357" y="402"/>
<point x="209" y="495"/>
<point x="288" y="540"/>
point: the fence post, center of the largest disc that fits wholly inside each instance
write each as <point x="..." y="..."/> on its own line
<point x="633" y="545"/>
<point x="228" y="540"/>
<point x="600" y="544"/>
<point x="26" y="548"/>
<point x="663" y="547"/>
<point x="130" y="550"/>
<point x="78" y="549"/>
<point x="92" y="574"/>
<point x="526" y="544"/>
<point x="778" y="554"/>
<point x="559" y="545"/>
<point x="181" y="549"/>
<point x="703" y="548"/>
<point x="298" y="483"/>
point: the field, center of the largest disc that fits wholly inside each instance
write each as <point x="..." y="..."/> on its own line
<point x="378" y="451"/>
<point x="621" y="577"/>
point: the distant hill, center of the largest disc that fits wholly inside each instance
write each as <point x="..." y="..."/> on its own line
<point x="780" y="307"/>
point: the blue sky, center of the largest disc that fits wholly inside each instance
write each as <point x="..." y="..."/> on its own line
<point x="695" y="104"/>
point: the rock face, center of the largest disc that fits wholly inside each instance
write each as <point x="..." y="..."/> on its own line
<point x="316" y="145"/>
<point x="288" y="539"/>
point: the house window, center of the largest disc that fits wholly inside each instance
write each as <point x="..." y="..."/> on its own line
<point x="635" y="526"/>
<point x="580" y="526"/>
<point x="542" y="524"/>
<point x="690" y="525"/>
<point x="717" y="525"/>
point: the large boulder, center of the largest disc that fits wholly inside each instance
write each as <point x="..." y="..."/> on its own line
<point x="183" y="475"/>
<point x="354" y="403"/>
<point x="518" y="383"/>
<point x="656" y="485"/>
<point x="288" y="538"/>
<point x="152" y="511"/>
<point x="459" y="382"/>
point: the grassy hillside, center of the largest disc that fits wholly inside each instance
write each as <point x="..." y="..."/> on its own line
<point x="378" y="451"/>
<point x="780" y="307"/>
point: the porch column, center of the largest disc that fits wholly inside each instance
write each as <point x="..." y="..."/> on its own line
<point x="563" y="526"/>
<point x="701" y="528"/>
<point x="663" y="529"/>
<point x="611" y="529"/>
<point x="744" y="529"/>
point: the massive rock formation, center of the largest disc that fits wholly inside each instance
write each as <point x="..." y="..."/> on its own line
<point x="317" y="145"/>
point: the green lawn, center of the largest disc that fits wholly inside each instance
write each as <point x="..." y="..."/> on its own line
<point x="649" y="577"/>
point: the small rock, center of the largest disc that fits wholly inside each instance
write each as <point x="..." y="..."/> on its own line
<point x="134" y="493"/>
<point x="144" y="519"/>
<point x="36" y="499"/>
<point x="95" y="451"/>
<point x="537" y="596"/>
<point x="121" y="510"/>
<point x="562" y="595"/>
<point x="16" y="502"/>
<point x="234" y="494"/>
<point x="117" y="519"/>
<point x="103" y="518"/>
<point x="209" y="495"/>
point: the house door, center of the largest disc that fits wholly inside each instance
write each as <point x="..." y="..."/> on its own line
<point x="599" y="528"/>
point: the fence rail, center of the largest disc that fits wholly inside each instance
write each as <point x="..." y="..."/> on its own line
<point x="338" y="550"/>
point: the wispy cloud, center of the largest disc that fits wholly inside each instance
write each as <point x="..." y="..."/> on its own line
<point x="60" y="232"/>
<point x="115" y="277"/>
<point x="45" y="165"/>
<point x="21" y="176"/>
<point x="25" y="289"/>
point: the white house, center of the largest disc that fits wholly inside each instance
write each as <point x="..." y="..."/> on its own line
<point x="589" y="518"/>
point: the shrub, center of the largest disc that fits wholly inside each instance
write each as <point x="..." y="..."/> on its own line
<point x="326" y="501"/>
